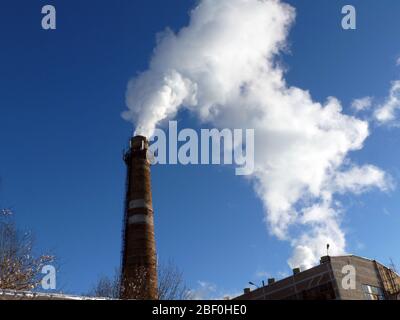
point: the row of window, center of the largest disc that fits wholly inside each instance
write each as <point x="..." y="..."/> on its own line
<point x="373" y="293"/>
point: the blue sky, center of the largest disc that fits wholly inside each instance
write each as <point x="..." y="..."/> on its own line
<point x="61" y="137"/>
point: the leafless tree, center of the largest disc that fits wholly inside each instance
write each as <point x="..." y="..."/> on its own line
<point x="392" y="266"/>
<point x="19" y="268"/>
<point x="171" y="284"/>
<point x="394" y="277"/>
<point x="107" y="287"/>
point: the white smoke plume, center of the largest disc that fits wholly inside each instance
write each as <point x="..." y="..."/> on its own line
<point x="223" y="67"/>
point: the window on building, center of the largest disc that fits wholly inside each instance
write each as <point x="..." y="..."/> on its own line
<point x="322" y="292"/>
<point x="373" y="293"/>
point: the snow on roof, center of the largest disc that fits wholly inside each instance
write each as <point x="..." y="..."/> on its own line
<point x="29" y="295"/>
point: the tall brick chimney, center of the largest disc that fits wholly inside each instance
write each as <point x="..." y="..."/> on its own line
<point x="139" y="261"/>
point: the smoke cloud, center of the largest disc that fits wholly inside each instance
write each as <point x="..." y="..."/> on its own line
<point x="223" y="67"/>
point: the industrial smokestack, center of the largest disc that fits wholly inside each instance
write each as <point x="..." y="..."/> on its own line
<point x="139" y="262"/>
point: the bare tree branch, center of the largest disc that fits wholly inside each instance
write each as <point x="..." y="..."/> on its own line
<point x="171" y="285"/>
<point x="19" y="269"/>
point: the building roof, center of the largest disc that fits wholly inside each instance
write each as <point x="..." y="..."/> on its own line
<point x="368" y="259"/>
<point x="29" y="295"/>
<point x="303" y="280"/>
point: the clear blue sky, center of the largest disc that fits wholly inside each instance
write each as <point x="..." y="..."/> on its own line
<point x="62" y="136"/>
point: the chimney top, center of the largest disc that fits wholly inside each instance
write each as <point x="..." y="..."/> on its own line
<point x="296" y="271"/>
<point x="139" y="143"/>
<point x="246" y="290"/>
<point x="271" y="281"/>
<point x="325" y="259"/>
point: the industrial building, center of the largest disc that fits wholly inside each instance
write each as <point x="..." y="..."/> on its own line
<point x="329" y="281"/>
<point x="326" y="281"/>
<point x="372" y="281"/>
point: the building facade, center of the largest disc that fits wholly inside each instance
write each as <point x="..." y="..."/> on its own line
<point x="335" y="278"/>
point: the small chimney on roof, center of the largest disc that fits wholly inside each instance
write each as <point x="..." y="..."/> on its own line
<point x="324" y="259"/>
<point x="246" y="290"/>
<point x="296" y="271"/>
<point x="271" y="281"/>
